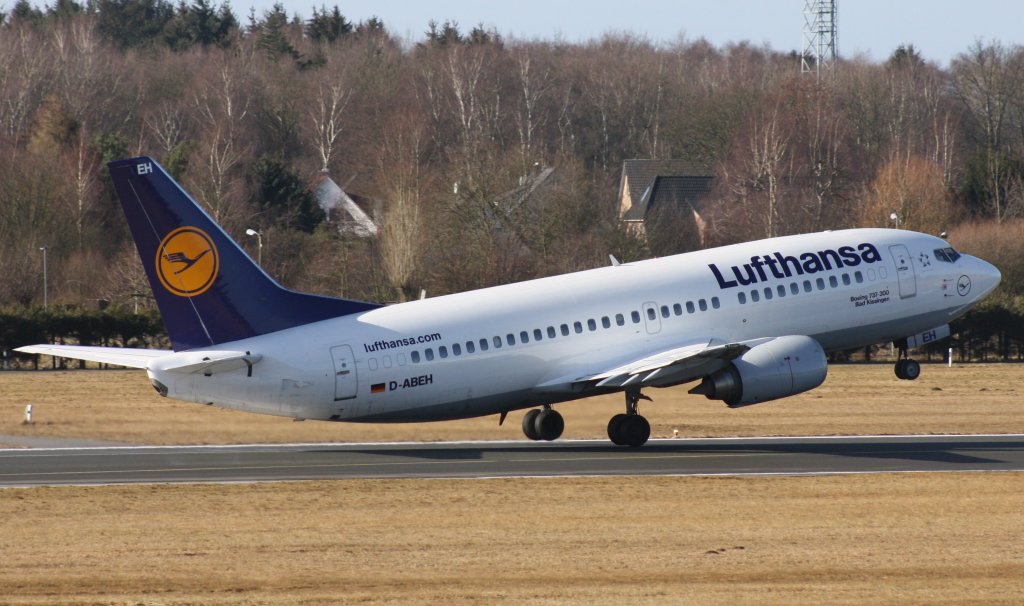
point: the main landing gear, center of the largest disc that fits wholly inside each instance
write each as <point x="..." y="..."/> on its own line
<point x="906" y="369"/>
<point x="543" y="424"/>
<point x="630" y="429"/>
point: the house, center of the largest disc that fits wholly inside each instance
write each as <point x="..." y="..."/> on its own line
<point x="344" y="210"/>
<point x="650" y="186"/>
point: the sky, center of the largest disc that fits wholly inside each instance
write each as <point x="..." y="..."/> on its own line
<point x="939" y="29"/>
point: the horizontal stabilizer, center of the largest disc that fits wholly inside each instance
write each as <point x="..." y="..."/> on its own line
<point x="207" y="362"/>
<point x="122" y="356"/>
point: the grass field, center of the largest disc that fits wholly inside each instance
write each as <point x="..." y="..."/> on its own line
<point x="896" y="539"/>
<point x="884" y="538"/>
<point x="120" y="406"/>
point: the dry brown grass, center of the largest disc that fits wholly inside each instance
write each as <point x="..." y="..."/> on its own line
<point x="860" y="399"/>
<point x="899" y="539"/>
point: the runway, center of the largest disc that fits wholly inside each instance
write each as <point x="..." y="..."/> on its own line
<point x="737" y="456"/>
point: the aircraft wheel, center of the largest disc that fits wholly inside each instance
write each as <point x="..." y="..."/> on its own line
<point x="911" y="370"/>
<point x="899" y="370"/>
<point x="530" y="424"/>
<point x="635" y="431"/>
<point x="615" y="429"/>
<point x="548" y="424"/>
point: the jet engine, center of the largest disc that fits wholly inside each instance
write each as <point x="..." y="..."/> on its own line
<point x="774" y="369"/>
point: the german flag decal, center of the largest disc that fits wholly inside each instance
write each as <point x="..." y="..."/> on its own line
<point x="377" y="388"/>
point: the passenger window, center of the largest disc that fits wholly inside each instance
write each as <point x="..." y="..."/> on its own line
<point x="442" y="351"/>
<point x="551" y="332"/>
<point x="651" y="314"/>
<point x="429" y="354"/>
<point x="678" y="309"/>
<point x="781" y="288"/>
<point x="703" y="305"/>
<point x="620" y="320"/>
<point x="524" y="337"/>
<point x="537" y="334"/>
<point x="470" y="348"/>
<point x="833" y="282"/>
<point x="605" y="322"/>
<point x="401" y="359"/>
<point x="635" y="316"/>
<point x="793" y="288"/>
<point x="742" y="297"/>
<point x="767" y="293"/>
<point x="592" y="325"/>
<point x="565" y="330"/>
<point x="821" y="283"/>
<point x="510" y="339"/>
<point x="483" y="345"/>
<point x="497" y="342"/>
<point x="387" y="361"/>
<point x="577" y="327"/>
<point x="415" y="357"/>
<point x="664" y="311"/>
<point x="456" y="349"/>
<point x="690" y="308"/>
<point x="755" y="296"/>
<point x="715" y="302"/>
<point x="846" y="279"/>
<point x="858" y="276"/>
<point x="807" y="286"/>
<point x="372" y="363"/>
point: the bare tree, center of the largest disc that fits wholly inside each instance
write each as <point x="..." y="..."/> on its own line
<point x="326" y="118"/>
<point x="987" y="78"/>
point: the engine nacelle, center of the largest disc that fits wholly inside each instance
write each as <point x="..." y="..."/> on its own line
<point x="775" y="369"/>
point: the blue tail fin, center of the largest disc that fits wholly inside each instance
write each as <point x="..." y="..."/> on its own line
<point x="208" y="289"/>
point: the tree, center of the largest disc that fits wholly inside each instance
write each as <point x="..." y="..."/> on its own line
<point x="284" y="197"/>
<point x="131" y="23"/>
<point x="327" y="28"/>
<point x="987" y="79"/>
<point x="912" y="188"/>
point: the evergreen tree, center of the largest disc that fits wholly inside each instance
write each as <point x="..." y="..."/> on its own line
<point x="200" y="24"/>
<point x="272" y="34"/>
<point x="24" y="13"/>
<point x="327" y="27"/>
<point x="63" y="10"/>
<point x="284" y="197"/>
<point x="132" y="23"/>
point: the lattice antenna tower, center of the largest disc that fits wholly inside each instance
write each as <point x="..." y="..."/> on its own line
<point x="820" y="38"/>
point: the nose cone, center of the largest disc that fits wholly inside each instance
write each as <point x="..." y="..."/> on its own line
<point x="985" y="277"/>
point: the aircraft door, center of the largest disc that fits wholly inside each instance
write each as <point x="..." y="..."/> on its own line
<point x="651" y="319"/>
<point x="904" y="270"/>
<point x="346" y="382"/>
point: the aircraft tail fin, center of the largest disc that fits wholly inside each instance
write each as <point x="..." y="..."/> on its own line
<point x="208" y="289"/>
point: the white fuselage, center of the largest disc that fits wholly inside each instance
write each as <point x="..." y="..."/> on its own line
<point x="424" y="360"/>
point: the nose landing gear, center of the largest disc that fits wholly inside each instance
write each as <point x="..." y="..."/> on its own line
<point x="906" y="369"/>
<point x="630" y="429"/>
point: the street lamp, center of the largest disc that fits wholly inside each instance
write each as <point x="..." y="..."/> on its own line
<point x="46" y="302"/>
<point x="259" y="244"/>
<point x="895" y="218"/>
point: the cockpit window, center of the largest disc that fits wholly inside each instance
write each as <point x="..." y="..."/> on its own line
<point x="948" y="255"/>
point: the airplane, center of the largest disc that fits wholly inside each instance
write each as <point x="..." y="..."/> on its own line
<point x="748" y="323"/>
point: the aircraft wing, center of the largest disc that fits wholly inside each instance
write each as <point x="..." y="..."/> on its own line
<point x="668" y="367"/>
<point x="122" y="356"/>
<point x="672" y="362"/>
